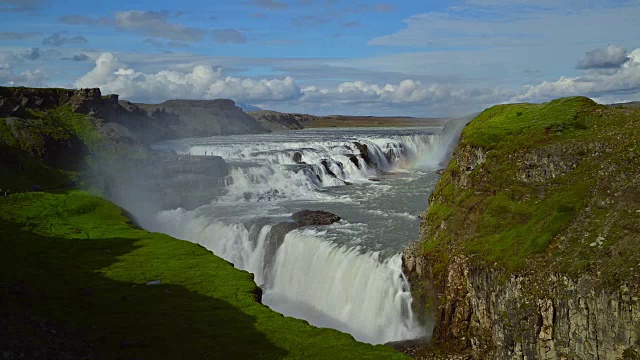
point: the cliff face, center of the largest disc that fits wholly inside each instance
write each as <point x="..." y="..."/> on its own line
<point x="45" y="133"/>
<point x="529" y="246"/>
<point x="277" y="121"/>
<point x="201" y="118"/>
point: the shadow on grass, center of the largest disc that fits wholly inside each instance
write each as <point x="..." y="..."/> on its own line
<point x="56" y="304"/>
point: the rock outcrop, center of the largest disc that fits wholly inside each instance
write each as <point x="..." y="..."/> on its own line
<point x="43" y="131"/>
<point x="277" y="121"/>
<point x="201" y="118"/>
<point x="364" y="154"/>
<point x="314" y="217"/>
<point x="528" y="247"/>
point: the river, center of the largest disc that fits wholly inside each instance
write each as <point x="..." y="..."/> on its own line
<point x="348" y="275"/>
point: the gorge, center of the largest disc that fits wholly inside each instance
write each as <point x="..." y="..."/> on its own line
<point x="528" y="247"/>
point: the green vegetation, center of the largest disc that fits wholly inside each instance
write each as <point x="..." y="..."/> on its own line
<point x="46" y="149"/>
<point x="63" y="122"/>
<point x="512" y="127"/>
<point x="73" y="275"/>
<point x="556" y="188"/>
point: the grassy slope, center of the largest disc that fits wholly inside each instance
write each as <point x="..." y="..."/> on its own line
<point x="509" y="222"/>
<point x="72" y="285"/>
<point x="21" y="146"/>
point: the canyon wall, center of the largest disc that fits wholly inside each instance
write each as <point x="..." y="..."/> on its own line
<point x="529" y="246"/>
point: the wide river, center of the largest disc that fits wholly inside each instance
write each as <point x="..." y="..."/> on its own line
<point x="347" y="275"/>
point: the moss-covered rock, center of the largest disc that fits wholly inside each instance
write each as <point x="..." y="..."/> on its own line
<point x="537" y="213"/>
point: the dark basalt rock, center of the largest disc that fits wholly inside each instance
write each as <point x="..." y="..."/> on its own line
<point x="315" y="217"/>
<point x="325" y="164"/>
<point x="364" y="153"/>
<point x="277" y="121"/>
<point x="413" y="347"/>
<point x="297" y="157"/>
<point x="354" y="160"/>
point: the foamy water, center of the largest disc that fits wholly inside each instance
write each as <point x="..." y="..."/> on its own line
<point x="348" y="275"/>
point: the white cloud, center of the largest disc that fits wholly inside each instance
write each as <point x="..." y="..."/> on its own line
<point x="613" y="56"/>
<point x="207" y="82"/>
<point x="201" y="82"/>
<point x="11" y="77"/>
<point x="622" y="83"/>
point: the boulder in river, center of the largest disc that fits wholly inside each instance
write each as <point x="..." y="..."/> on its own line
<point x="364" y="153"/>
<point x="314" y="217"/>
<point x="297" y="158"/>
<point x="354" y="160"/>
<point x="327" y="167"/>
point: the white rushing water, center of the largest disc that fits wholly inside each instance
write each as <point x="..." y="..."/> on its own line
<point x="348" y="275"/>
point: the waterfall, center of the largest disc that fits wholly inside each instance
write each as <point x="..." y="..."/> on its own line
<point x="271" y="171"/>
<point x="343" y="284"/>
<point x="328" y="285"/>
<point x="347" y="290"/>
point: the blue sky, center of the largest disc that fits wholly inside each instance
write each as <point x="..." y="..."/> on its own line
<point x="418" y="58"/>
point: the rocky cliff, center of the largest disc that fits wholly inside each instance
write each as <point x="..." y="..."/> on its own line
<point x="201" y="118"/>
<point x="277" y="121"/>
<point x="47" y="133"/>
<point x="529" y="246"/>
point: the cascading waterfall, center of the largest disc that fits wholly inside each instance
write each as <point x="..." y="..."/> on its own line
<point x="364" y="296"/>
<point x="298" y="170"/>
<point x="329" y="285"/>
<point x="353" y="288"/>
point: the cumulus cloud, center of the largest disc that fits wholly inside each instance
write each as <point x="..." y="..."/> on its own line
<point x="625" y="80"/>
<point x="611" y="57"/>
<point x="405" y="92"/>
<point x="9" y="76"/>
<point x="59" y="40"/>
<point x="207" y="82"/>
<point x="202" y="82"/>
<point x="9" y="35"/>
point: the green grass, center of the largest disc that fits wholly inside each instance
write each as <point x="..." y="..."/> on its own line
<point x="512" y="127"/>
<point x="501" y="219"/>
<point x="73" y="271"/>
